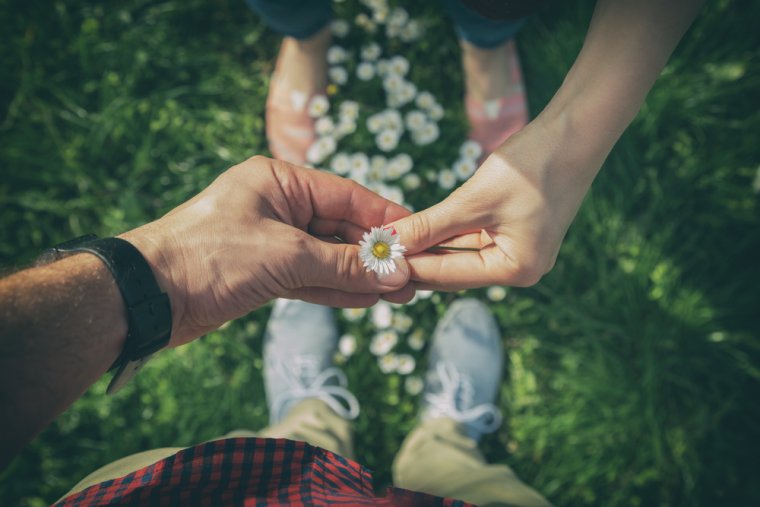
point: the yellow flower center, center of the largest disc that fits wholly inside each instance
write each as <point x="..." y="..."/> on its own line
<point x="381" y="250"/>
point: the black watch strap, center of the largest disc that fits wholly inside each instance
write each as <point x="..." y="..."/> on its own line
<point x="149" y="314"/>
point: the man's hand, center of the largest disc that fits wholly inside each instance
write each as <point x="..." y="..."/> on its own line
<point x="265" y="229"/>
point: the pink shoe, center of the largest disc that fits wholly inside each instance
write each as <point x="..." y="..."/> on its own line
<point x="493" y="121"/>
<point x="289" y="128"/>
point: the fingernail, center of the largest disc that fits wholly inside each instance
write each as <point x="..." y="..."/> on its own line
<point x="398" y="278"/>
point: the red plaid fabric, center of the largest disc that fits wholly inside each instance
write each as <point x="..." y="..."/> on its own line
<point x="249" y="472"/>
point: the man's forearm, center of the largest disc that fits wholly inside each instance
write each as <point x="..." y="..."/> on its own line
<point x="61" y="327"/>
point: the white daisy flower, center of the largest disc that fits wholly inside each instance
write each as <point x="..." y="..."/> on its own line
<point x="411" y="181"/>
<point x="382" y="67"/>
<point x="371" y="52"/>
<point x="359" y="162"/>
<point x="411" y="32"/>
<point x="376" y="123"/>
<point x="336" y="55"/>
<point x="320" y="150"/>
<point x="447" y="179"/>
<point x="345" y="126"/>
<point x="353" y="314"/>
<point x="425" y="100"/>
<point x="427" y="134"/>
<point x="379" y="248"/>
<point x="398" y="65"/>
<point x="341" y="164"/>
<point x="416" y="340"/>
<point x="393" y="83"/>
<point x="398" y="17"/>
<point x="318" y="106"/>
<point x="349" y="109"/>
<point x="378" y="163"/>
<point x="382" y="315"/>
<point x="383" y="342"/>
<point x="464" y="168"/>
<point x="393" y="119"/>
<point x="340" y="27"/>
<point x="380" y="15"/>
<point x="324" y="126"/>
<point x="431" y="176"/>
<point x="359" y="175"/>
<point x="405" y="364"/>
<point x="338" y="75"/>
<point x="387" y="140"/>
<point x="363" y="21"/>
<point x="347" y="345"/>
<point x="424" y="294"/>
<point x="407" y="93"/>
<point x="392" y="193"/>
<point x="388" y="363"/>
<point x="414" y="385"/>
<point x="436" y="112"/>
<point x="402" y="322"/>
<point x="470" y="149"/>
<point x="415" y="120"/>
<point x="398" y="166"/>
<point x="496" y="293"/>
<point x="365" y="71"/>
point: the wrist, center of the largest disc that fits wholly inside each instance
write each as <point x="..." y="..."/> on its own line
<point x="161" y="254"/>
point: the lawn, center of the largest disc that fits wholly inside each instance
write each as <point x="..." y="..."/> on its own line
<point x="633" y="367"/>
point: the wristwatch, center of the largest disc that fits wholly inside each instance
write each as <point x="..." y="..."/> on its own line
<point x="149" y="314"/>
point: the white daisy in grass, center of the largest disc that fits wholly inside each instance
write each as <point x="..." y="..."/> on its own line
<point x="320" y="150"/>
<point x="425" y="100"/>
<point x="382" y="67"/>
<point x="376" y="123"/>
<point x="349" y="109"/>
<point x="414" y="385"/>
<point x="341" y="163"/>
<point x="347" y="345"/>
<point x="402" y="322"/>
<point x="324" y="126"/>
<point x="391" y="192"/>
<point x="411" y="32"/>
<point x="393" y="119"/>
<point x="359" y="162"/>
<point x="380" y="248"/>
<point x="318" y="106"/>
<point x="336" y="55"/>
<point x="380" y="14"/>
<point x="398" y="17"/>
<point x="427" y="134"/>
<point x="345" y="126"/>
<point x="338" y="75"/>
<point x="377" y="164"/>
<point x="363" y="21"/>
<point x="464" y="168"/>
<point x="365" y="71"/>
<point x="387" y="140"/>
<point x="424" y="294"/>
<point x="383" y="342"/>
<point x="496" y="293"/>
<point x="436" y="112"/>
<point x="393" y="83"/>
<point x="447" y="179"/>
<point x="398" y="65"/>
<point x="388" y="363"/>
<point x="407" y="93"/>
<point x="340" y="28"/>
<point x="415" y="120"/>
<point x="382" y="315"/>
<point x="416" y="340"/>
<point x="371" y="52"/>
<point x="470" y="149"/>
<point x="405" y="364"/>
<point x="411" y="181"/>
<point x="353" y="314"/>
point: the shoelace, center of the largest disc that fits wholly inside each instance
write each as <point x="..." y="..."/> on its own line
<point x="306" y="381"/>
<point x="483" y="418"/>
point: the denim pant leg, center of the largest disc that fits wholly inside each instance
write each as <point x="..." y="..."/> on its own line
<point x="299" y="19"/>
<point x="478" y="30"/>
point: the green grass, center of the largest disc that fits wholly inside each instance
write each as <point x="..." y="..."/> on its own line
<point x="633" y="366"/>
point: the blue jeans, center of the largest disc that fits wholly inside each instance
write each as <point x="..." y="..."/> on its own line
<point x="303" y="18"/>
